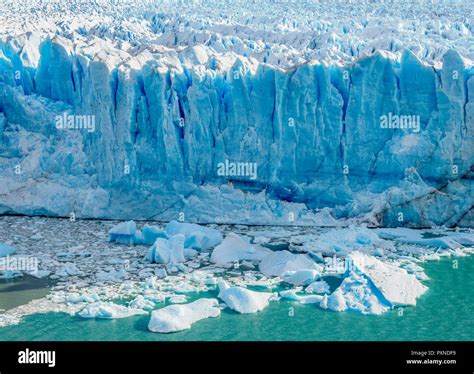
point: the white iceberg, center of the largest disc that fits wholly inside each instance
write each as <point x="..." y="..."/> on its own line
<point x="175" y="318"/>
<point x="234" y="248"/>
<point x="243" y="300"/>
<point x="396" y="285"/>
<point x="196" y="236"/>
<point x="108" y="310"/>
<point x="445" y="240"/>
<point x="279" y="262"/>
<point x="373" y="287"/>
<point x="354" y="294"/>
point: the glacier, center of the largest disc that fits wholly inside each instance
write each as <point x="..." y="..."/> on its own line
<point x="128" y="117"/>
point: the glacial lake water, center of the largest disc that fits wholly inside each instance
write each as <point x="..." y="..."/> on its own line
<point x="18" y="291"/>
<point x="445" y="312"/>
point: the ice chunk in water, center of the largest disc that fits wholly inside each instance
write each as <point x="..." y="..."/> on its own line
<point x="180" y="317"/>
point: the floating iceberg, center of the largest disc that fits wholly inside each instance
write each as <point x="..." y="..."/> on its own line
<point x="108" y="310"/>
<point x="395" y="285"/>
<point x="373" y="287"/>
<point x="196" y="236"/>
<point x="175" y="318"/>
<point x="280" y="262"/>
<point x="167" y="251"/>
<point x="68" y="270"/>
<point x="234" y="248"/>
<point x="125" y="233"/>
<point x="243" y="300"/>
<point x="355" y="294"/>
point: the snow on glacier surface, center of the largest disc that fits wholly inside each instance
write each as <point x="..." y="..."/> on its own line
<point x="243" y="112"/>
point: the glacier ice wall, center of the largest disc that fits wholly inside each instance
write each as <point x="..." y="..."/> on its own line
<point x="162" y="126"/>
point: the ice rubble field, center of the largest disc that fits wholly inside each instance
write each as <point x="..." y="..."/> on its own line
<point x="298" y="88"/>
<point x="106" y="270"/>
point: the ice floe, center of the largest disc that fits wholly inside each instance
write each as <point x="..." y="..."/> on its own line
<point x="443" y="239"/>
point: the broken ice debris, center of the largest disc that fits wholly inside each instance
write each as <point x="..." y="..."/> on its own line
<point x="318" y="287"/>
<point x="108" y="310"/>
<point x="344" y="241"/>
<point x="243" y="300"/>
<point x="175" y="318"/>
<point x="446" y="240"/>
<point x="234" y="248"/>
<point x="196" y="236"/>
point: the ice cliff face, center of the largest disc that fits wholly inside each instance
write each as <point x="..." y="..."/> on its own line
<point x="168" y="129"/>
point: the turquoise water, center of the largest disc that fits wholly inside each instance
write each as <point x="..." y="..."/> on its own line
<point x="445" y="312"/>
